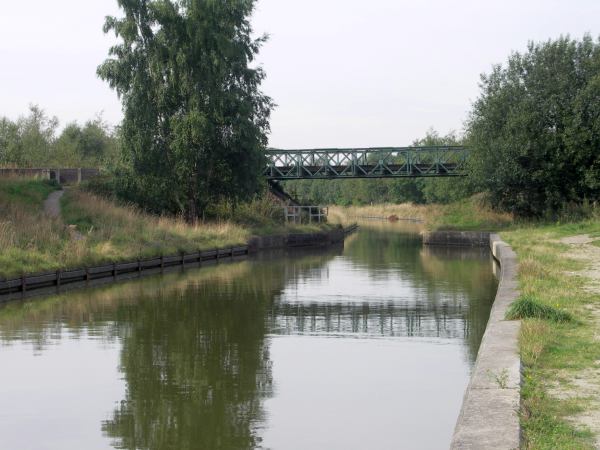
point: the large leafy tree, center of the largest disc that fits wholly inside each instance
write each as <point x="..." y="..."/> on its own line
<point x="195" y="119"/>
<point x="535" y="129"/>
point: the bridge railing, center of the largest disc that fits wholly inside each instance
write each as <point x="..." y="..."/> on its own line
<point x="381" y="162"/>
<point x="305" y="214"/>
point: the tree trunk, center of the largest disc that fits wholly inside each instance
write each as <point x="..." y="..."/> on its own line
<point x="192" y="209"/>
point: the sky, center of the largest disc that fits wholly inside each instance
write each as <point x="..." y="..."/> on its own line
<point x="343" y="73"/>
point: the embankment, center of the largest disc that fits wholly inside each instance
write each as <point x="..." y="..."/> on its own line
<point x="51" y="282"/>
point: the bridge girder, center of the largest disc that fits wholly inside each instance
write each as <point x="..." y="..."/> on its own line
<point x="378" y="162"/>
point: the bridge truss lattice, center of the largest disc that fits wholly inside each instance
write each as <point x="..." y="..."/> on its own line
<point x="381" y="162"/>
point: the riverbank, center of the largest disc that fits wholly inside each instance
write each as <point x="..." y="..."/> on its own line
<point x="559" y="268"/>
<point x="90" y="230"/>
<point x="467" y="215"/>
<point x="559" y="274"/>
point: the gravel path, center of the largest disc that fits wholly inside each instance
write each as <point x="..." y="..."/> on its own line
<point x="52" y="204"/>
<point x="587" y="381"/>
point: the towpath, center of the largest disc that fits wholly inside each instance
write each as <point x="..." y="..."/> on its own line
<point x="586" y="384"/>
<point x="52" y="203"/>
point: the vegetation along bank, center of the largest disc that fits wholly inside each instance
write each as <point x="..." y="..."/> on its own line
<point x="91" y="230"/>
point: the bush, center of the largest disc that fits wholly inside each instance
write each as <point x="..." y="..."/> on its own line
<point x="262" y="210"/>
<point x="528" y="307"/>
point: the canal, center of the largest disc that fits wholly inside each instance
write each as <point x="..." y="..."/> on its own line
<point x="363" y="346"/>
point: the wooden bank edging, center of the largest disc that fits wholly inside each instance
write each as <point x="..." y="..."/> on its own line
<point x="12" y="289"/>
<point x="31" y="282"/>
<point x="489" y="417"/>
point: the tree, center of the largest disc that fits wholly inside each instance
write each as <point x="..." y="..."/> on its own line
<point x="93" y="145"/>
<point x="443" y="190"/>
<point x="31" y="142"/>
<point x="195" y="121"/>
<point x="535" y="129"/>
<point x="10" y="142"/>
<point x="28" y="141"/>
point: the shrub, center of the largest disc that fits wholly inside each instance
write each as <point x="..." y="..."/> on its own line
<point x="528" y="307"/>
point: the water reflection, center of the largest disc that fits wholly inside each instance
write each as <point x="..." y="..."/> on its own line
<point x="206" y="364"/>
<point x="197" y="368"/>
<point x="387" y="284"/>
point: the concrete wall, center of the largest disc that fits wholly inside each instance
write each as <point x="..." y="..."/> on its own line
<point x="457" y="238"/>
<point x="321" y="239"/>
<point x="64" y="176"/>
<point x="489" y="415"/>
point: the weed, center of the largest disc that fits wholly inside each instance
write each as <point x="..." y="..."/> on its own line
<point x="501" y="378"/>
<point x="528" y="307"/>
<point x="533" y="339"/>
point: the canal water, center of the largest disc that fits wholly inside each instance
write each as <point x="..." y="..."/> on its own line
<point x="365" y="346"/>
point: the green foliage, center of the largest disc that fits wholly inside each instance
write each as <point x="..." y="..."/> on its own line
<point x="27" y="141"/>
<point x="258" y="212"/>
<point x="535" y="129"/>
<point x="26" y="191"/>
<point x="31" y="141"/>
<point x="529" y="307"/>
<point x="91" y="145"/>
<point x="195" y="120"/>
<point x="354" y="192"/>
<point x="469" y="214"/>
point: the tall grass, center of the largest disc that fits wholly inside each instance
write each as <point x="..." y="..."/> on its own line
<point x="28" y="238"/>
<point x="405" y="211"/>
<point x="528" y="307"/>
<point x="469" y="214"/>
<point x="107" y="231"/>
<point x="93" y="230"/>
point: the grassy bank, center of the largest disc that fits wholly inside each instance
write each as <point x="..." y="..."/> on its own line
<point x="93" y="230"/>
<point x="561" y="408"/>
<point x="468" y="214"/>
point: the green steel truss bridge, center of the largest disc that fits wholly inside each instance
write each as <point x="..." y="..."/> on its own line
<point x="379" y="162"/>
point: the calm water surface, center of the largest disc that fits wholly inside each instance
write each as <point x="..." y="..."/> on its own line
<point x="364" y="347"/>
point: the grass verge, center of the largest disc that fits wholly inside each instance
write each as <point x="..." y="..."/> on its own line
<point x="557" y="341"/>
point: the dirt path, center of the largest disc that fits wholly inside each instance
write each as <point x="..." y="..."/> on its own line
<point x="52" y="204"/>
<point x="587" y="382"/>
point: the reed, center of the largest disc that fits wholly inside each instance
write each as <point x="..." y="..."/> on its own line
<point x="468" y="214"/>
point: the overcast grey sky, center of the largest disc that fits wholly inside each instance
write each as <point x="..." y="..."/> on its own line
<point x="343" y="72"/>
